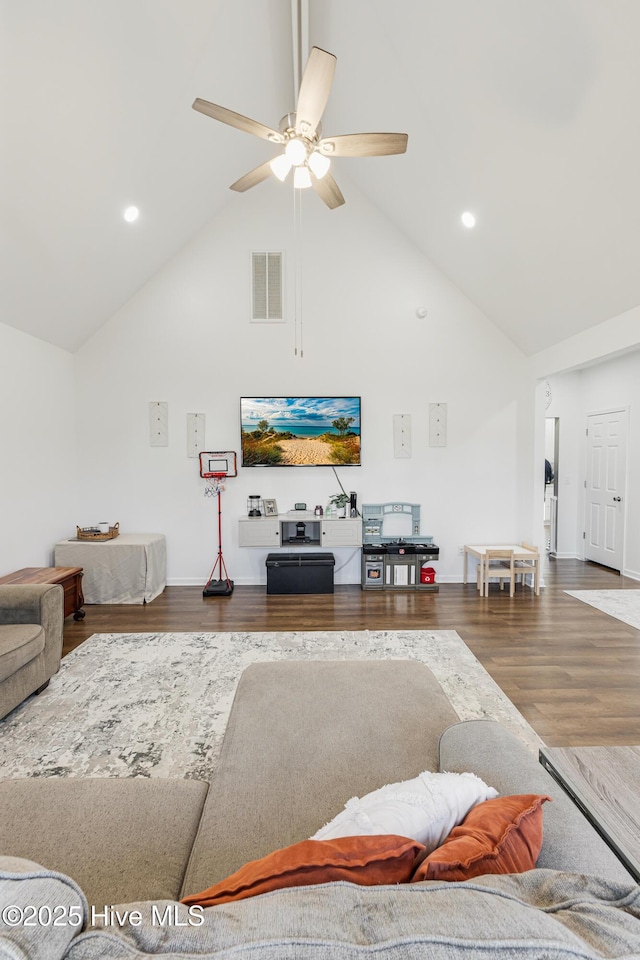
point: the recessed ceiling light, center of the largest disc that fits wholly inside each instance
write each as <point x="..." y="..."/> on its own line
<point x="468" y="219"/>
<point x="131" y="214"/>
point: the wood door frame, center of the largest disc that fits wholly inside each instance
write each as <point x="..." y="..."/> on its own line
<point x="618" y="408"/>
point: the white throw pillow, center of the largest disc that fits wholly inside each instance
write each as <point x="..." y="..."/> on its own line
<point x="425" y="809"/>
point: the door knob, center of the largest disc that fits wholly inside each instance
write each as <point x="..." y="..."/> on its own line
<point x="617" y="499"/>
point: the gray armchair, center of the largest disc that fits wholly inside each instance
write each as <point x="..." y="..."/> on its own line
<point x="31" y="621"/>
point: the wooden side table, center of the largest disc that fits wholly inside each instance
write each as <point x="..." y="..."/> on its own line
<point x="69" y="578"/>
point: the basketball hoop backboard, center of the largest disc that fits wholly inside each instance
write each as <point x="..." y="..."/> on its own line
<point x="218" y="463"/>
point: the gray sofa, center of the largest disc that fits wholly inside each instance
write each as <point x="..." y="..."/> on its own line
<point x="31" y="621"/>
<point x="302" y="738"/>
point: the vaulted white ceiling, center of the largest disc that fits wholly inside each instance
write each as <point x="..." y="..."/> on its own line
<point x="522" y="111"/>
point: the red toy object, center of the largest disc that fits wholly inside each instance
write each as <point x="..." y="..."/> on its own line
<point x="427" y="575"/>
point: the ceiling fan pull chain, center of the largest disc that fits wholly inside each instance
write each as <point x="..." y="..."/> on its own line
<point x="296" y="194"/>
<point x="300" y="285"/>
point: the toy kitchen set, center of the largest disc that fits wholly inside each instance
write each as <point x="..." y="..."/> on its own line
<point x="391" y="561"/>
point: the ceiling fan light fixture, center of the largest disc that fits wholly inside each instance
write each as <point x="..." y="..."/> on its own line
<point x="318" y="164"/>
<point x="296" y="151"/>
<point x="300" y="132"/>
<point x="280" y="166"/>
<point x="301" y="178"/>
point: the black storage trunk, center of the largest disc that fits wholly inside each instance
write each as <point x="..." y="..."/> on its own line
<point x="300" y="572"/>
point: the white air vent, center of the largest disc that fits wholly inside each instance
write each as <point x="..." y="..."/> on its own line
<point x="266" y="286"/>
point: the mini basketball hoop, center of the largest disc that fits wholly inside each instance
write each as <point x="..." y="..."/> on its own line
<point x="215" y="467"/>
<point x="220" y="463"/>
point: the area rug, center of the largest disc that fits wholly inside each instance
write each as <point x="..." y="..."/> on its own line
<point x="622" y="604"/>
<point x="156" y="705"/>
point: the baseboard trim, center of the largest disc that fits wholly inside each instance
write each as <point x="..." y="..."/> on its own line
<point x="632" y="574"/>
<point x="253" y="582"/>
<point x="238" y="582"/>
<point x="187" y="581"/>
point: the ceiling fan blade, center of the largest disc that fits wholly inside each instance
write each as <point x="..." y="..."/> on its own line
<point x="314" y="90"/>
<point x="237" y="120"/>
<point x="328" y="190"/>
<point x="364" y="145"/>
<point x="253" y="178"/>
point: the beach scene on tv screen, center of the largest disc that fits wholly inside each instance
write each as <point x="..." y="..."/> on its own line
<point x="300" y="431"/>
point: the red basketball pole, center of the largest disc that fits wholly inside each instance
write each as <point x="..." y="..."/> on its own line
<point x="222" y="586"/>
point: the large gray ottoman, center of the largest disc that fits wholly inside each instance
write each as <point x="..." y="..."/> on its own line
<point x="303" y="737"/>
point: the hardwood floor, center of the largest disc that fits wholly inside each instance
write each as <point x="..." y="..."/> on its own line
<point x="572" y="671"/>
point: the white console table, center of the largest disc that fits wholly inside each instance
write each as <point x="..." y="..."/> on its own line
<point x="273" y="532"/>
<point x="131" y="568"/>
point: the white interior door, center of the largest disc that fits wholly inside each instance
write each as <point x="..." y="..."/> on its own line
<point x="605" y="487"/>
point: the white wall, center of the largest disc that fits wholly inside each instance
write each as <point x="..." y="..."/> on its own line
<point x="596" y="369"/>
<point x="613" y="384"/>
<point x="185" y="339"/>
<point x="616" y="385"/>
<point x="618" y="335"/>
<point x="567" y="405"/>
<point x="38" y="450"/>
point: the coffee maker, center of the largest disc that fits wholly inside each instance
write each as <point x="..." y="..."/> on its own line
<point x="353" y="504"/>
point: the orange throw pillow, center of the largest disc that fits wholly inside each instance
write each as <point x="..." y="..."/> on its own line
<point x="498" y="836"/>
<point x="365" y="860"/>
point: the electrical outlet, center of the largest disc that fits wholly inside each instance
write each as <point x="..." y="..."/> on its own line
<point x="461" y="551"/>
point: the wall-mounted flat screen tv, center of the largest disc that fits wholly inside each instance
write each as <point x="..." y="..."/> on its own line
<point x="300" y="431"/>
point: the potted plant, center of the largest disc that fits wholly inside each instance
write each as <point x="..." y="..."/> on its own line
<point x="340" y="501"/>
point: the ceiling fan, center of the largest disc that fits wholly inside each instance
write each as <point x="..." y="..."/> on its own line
<point x="303" y="148"/>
